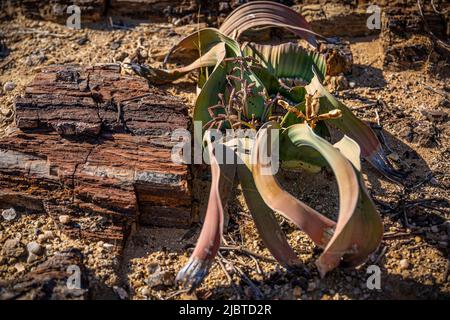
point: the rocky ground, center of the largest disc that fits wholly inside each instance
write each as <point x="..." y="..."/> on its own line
<point x="410" y="106"/>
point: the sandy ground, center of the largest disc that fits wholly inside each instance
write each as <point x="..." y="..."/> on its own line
<point x="413" y="256"/>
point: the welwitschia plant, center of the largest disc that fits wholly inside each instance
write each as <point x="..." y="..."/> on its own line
<point x="277" y="89"/>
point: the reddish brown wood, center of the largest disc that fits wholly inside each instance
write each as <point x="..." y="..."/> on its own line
<point x="92" y="142"/>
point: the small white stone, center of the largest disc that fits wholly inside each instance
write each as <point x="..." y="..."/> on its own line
<point x="404" y="264"/>
<point x="108" y="246"/>
<point x="9" y="214"/>
<point x="146" y="291"/>
<point x="47" y="235"/>
<point x="9" y="86"/>
<point x="64" y="219"/>
<point x="19" y="267"/>
<point x="35" y="248"/>
<point x="352" y="84"/>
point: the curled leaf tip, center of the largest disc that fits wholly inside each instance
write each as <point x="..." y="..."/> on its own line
<point x="382" y="164"/>
<point x="193" y="273"/>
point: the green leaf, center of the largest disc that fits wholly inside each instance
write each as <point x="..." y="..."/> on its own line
<point x="287" y="60"/>
<point x="202" y="41"/>
<point x="353" y="127"/>
<point x="209" y="95"/>
<point x="264" y="218"/>
<point x="318" y="227"/>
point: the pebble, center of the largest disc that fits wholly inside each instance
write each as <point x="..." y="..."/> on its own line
<point x="404" y="264"/>
<point x="115" y="45"/>
<point x="64" y="219"/>
<point x="418" y="239"/>
<point x="47" y="235"/>
<point x="435" y="229"/>
<point x="19" y="267"/>
<point x="35" y="248"/>
<point x="229" y="268"/>
<point x="10" y="245"/>
<point x="352" y="84"/>
<point x="108" y="246"/>
<point x="146" y="291"/>
<point x="9" y="214"/>
<point x="9" y="86"/>
<point x="161" y="279"/>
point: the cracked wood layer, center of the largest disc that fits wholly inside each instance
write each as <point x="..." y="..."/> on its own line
<point x="95" y="144"/>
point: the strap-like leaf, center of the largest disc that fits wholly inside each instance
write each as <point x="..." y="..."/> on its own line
<point x="359" y="229"/>
<point x="161" y="76"/>
<point x="209" y="95"/>
<point x="209" y="240"/>
<point x="267" y="13"/>
<point x="360" y="234"/>
<point x="287" y="60"/>
<point x="318" y="227"/>
<point x="310" y="157"/>
<point x="265" y="221"/>
<point x="202" y="41"/>
<point x="353" y="127"/>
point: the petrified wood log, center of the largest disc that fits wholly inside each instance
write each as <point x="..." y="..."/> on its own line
<point x="96" y="145"/>
<point x="49" y="280"/>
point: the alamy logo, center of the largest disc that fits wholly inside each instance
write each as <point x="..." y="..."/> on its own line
<point x="74" y="20"/>
<point x="374" y="281"/>
<point x="374" y="20"/>
<point x="74" y="280"/>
